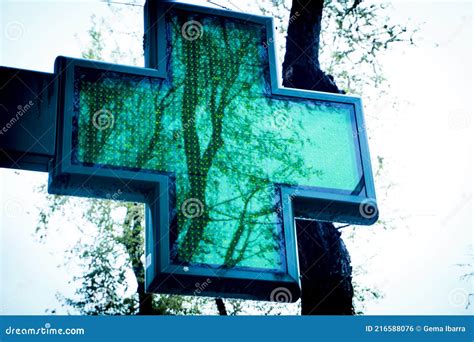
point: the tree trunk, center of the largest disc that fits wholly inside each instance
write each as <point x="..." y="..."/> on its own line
<point x="324" y="260"/>
<point x="131" y="241"/>
<point x="221" y="307"/>
<point x="145" y="301"/>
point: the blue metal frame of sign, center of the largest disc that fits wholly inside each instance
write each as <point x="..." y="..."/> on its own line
<point x="156" y="189"/>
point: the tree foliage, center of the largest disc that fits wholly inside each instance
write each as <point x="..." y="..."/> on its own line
<point x="354" y="35"/>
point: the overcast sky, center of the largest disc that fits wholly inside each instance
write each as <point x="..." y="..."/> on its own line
<point x="426" y="144"/>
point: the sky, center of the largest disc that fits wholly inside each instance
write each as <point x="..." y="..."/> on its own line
<point x="426" y="144"/>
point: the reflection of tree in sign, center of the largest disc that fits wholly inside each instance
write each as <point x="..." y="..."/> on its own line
<point x="222" y="72"/>
<point x="216" y="131"/>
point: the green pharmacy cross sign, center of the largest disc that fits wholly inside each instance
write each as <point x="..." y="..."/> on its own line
<point x="223" y="158"/>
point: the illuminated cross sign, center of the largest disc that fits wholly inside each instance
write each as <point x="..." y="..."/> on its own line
<point x="224" y="159"/>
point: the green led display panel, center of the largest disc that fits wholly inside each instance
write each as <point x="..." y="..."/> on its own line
<point x="225" y="141"/>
